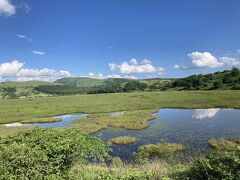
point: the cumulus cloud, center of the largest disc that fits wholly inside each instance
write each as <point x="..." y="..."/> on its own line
<point x="205" y="113"/>
<point x="102" y="76"/>
<point x="204" y="59"/>
<point x="38" y="52"/>
<point x="133" y="67"/>
<point x="21" y="36"/>
<point x="10" y="68"/>
<point x="229" y="61"/>
<point x="14" y="71"/>
<point x="7" y="8"/>
<point x="201" y="60"/>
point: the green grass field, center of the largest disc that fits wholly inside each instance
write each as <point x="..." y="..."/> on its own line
<point x="15" y="110"/>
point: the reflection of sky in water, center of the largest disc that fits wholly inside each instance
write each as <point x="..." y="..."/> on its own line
<point x="65" y="121"/>
<point x="180" y="126"/>
<point x="205" y="113"/>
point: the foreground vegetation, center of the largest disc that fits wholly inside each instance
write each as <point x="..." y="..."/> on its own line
<point x="161" y="150"/>
<point x="67" y="154"/>
<point x="47" y="153"/>
<point x="15" y="110"/>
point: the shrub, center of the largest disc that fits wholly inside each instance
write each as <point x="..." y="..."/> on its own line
<point x="47" y="153"/>
<point x="217" y="165"/>
<point x="116" y="162"/>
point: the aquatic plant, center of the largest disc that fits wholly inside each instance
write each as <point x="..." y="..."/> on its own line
<point x="148" y="151"/>
<point x="224" y="144"/>
<point x="123" y="140"/>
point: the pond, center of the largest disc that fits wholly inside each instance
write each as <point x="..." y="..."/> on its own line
<point x="192" y="128"/>
<point x="65" y="121"/>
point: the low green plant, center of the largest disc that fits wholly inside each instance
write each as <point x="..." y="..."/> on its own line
<point x="224" y="144"/>
<point x="160" y="150"/>
<point x="47" y="153"/>
<point x="123" y="140"/>
<point x="215" y="166"/>
<point x="116" y="162"/>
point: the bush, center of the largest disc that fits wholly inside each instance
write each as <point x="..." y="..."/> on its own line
<point x="116" y="162"/>
<point x="47" y="153"/>
<point x="217" y="165"/>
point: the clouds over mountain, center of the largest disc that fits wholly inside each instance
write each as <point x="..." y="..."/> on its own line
<point x="14" y="70"/>
<point x="133" y="67"/>
<point x="206" y="60"/>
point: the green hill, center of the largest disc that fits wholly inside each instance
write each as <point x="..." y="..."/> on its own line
<point x="80" y="81"/>
<point x="25" y="84"/>
<point x="226" y="80"/>
<point x="90" y="82"/>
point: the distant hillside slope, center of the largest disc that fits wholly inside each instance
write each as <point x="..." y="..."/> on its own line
<point x="228" y="79"/>
<point x="90" y="82"/>
<point x="24" y="84"/>
<point x="80" y="81"/>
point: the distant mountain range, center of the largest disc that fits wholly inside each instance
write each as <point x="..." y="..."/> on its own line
<point x="228" y="79"/>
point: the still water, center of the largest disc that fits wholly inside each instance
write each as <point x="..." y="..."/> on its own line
<point x="65" y="121"/>
<point x="192" y="128"/>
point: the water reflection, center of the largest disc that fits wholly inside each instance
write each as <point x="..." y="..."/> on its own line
<point x="205" y="113"/>
<point x="179" y="126"/>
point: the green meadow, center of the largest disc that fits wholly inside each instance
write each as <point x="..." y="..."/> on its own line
<point x="15" y="110"/>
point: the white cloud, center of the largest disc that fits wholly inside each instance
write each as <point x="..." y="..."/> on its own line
<point x="14" y="71"/>
<point x="201" y="60"/>
<point x="7" y="8"/>
<point x="176" y="66"/>
<point x="132" y="67"/>
<point x="38" y="52"/>
<point x="238" y="50"/>
<point x="204" y="59"/>
<point x="21" y="36"/>
<point x="10" y="68"/>
<point x="205" y="113"/>
<point x="229" y="61"/>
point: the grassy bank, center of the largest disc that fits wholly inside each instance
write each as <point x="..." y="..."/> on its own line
<point x="15" y="110"/>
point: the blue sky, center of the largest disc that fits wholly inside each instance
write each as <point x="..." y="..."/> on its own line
<point x="117" y="38"/>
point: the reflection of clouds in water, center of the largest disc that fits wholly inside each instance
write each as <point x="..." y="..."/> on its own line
<point x="205" y="113"/>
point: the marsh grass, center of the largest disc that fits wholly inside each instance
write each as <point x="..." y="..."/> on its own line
<point x="6" y="131"/>
<point x="41" y="120"/>
<point x="123" y="140"/>
<point x="130" y="120"/>
<point x="154" y="170"/>
<point x="15" y="110"/>
<point x="224" y="144"/>
<point x="159" y="150"/>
